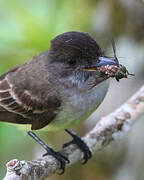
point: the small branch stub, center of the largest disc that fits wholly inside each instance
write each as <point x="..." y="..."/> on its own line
<point x="13" y="168"/>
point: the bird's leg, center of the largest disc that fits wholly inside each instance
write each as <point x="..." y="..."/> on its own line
<point x="61" y="158"/>
<point x="81" y="144"/>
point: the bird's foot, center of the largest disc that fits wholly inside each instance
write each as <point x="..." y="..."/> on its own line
<point x="49" y="151"/>
<point x="81" y="144"/>
<point x="61" y="158"/>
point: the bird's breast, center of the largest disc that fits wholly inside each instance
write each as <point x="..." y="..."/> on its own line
<point x="78" y="107"/>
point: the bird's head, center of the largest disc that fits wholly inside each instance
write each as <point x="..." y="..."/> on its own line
<point x="77" y="56"/>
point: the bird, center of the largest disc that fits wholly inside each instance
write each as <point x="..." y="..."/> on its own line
<point x="57" y="89"/>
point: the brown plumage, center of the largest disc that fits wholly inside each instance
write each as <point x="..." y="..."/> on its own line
<point x="36" y="91"/>
<point x="24" y="101"/>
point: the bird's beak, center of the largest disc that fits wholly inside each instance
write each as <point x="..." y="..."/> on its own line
<point x="103" y="61"/>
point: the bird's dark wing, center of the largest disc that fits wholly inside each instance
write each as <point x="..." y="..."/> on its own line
<point x="21" y="106"/>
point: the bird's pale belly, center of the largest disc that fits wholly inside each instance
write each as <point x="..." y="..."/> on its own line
<point x="78" y="108"/>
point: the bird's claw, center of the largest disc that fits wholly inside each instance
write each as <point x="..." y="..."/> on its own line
<point x="49" y="151"/>
<point x="61" y="159"/>
<point x="81" y="144"/>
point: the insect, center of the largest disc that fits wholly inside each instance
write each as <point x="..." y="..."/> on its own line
<point x="122" y="71"/>
<point x="117" y="71"/>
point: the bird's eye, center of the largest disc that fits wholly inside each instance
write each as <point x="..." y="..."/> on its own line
<point x="71" y="61"/>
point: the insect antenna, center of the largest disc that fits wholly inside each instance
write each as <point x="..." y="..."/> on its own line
<point x="114" y="50"/>
<point x="130" y="73"/>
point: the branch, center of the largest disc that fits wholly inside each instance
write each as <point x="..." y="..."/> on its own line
<point x="109" y="128"/>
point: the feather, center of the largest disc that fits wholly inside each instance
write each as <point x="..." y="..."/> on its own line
<point x="20" y="105"/>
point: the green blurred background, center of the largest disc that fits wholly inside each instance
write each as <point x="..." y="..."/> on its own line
<point x="26" y="28"/>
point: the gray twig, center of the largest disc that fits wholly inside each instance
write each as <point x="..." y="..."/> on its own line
<point x="109" y="128"/>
